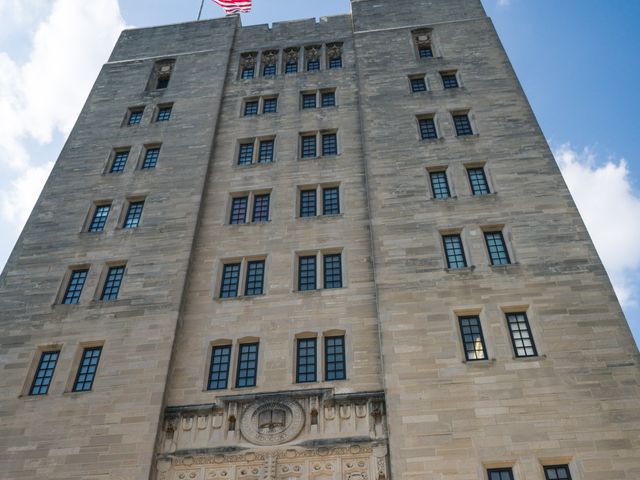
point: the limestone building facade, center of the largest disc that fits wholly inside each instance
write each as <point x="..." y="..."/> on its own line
<point x="334" y="249"/>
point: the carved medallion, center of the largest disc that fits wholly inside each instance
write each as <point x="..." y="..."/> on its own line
<point x="272" y="422"/>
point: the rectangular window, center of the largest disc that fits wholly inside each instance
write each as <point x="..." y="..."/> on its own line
<point x="334" y="358"/>
<point x="219" y="369"/>
<point x="230" y="280"/>
<point x="309" y="100"/>
<point x="425" y="51"/>
<point x="520" y="331"/>
<point x="164" y="114"/>
<point x="44" y="373"/>
<point x="270" y="105"/>
<point x="308" y="203"/>
<point x="151" y="158"/>
<point x="335" y="62"/>
<point x="255" y="278"/>
<point x="265" y="154"/>
<point x="418" y="85"/>
<point x="454" y="251"/>
<point x="497" y="248"/>
<point x="291" y="67"/>
<point x="248" y="72"/>
<point x="333" y="271"/>
<point x="251" y="108"/>
<point x="119" y="161"/>
<point x="99" y="219"/>
<point x="463" y="125"/>
<point x="269" y="70"/>
<point x="245" y="154"/>
<point x="134" y="213"/>
<point x="135" y="116"/>
<point x="261" y="208"/>
<point x="557" y="472"/>
<point x="306" y="360"/>
<point x="439" y="185"/>
<point x="112" y="283"/>
<point x="478" y="181"/>
<point x="449" y="80"/>
<point x="239" y="210"/>
<point x="87" y="369"/>
<point x="329" y="144"/>
<point x="472" y="338"/>
<point x="247" y="365"/>
<point x="307" y="273"/>
<point x="328" y="99"/>
<point x="331" y="201"/>
<point x="75" y="286"/>
<point x="313" y="65"/>
<point x="500" y="474"/>
<point x="428" y="128"/>
<point x="308" y="146"/>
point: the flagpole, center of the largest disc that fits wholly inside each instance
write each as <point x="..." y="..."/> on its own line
<point x="200" y="11"/>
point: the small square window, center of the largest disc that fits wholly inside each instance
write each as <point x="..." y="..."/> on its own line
<point x="425" y="51"/>
<point x="557" y="472"/>
<point x="500" y="474"/>
<point x="330" y="201"/>
<point x="247" y="365"/>
<point x="151" y="158"/>
<point x="329" y="144"/>
<point x="270" y="105"/>
<point x="454" y="251"/>
<point x="334" y="358"/>
<point x="335" y="62"/>
<point x="164" y="114"/>
<point x="463" y="125"/>
<point x="328" y="99"/>
<point x="247" y="73"/>
<point x="439" y="185"/>
<point x="307" y="273"/>
<point x="265" y="154"/>
<point x="239" y="210"/>
<point x="497" y="248"/>
<point x="245" y="154"/>
<point x="333" y="271"/>
<point x="308" y="203"/>
<point x="87" y="369"/>
<point x="313" y="65"/>
<point x="306" y="360"/>
<point x="308" y="146"/>
<point x="134" y="214"/>
<point x="478" y="181"/>
<point x="309" y="100"/>
<point x="119" y="161"/>
<point x="112" y="283"/>
<point x="472" y="338"/>
<point x="99" y="219"/>
<point x="135" y="116"/>
<point x="418" y="85"/>
<point x="449" y="80"/>
<point x="269" y="70"/>
<point x="428" y="129"/>
<point x="255" y="278"/>
<point x="521" y="337"/>
<point x="261" y="208"/>
<point x="230" y="280"/>
<point x="75" y="286"/>
<point x="44" y="373"/>
<point x="251" y="108"/>
<point x="219" y="369"/>
<point x="291" y="67"/>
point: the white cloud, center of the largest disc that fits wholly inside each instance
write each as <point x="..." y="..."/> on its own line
<point x="17" y="201"/>
<point x="504" y="3"/>
<point x="611" y="211"/>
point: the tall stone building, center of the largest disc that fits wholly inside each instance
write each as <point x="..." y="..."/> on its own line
<point x="335" y="249"/>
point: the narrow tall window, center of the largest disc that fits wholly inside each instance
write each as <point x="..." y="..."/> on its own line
<point x="418" y="85"/>
<point x="270" y="105"/>
<point x="306" y="360"/>
<point x="428" y="128"/>
<point x="463" y="125"/>
<point x="308" y="203"/>
<point x="44" y="373"/>
<point x="151" y="158"/>
<point x="472" y="338"/>
<point x="135" y="116"/>
<point x="291" y="66"/>
<point x="134" y="214"/>
<point x="425" y="51"/>
<point x="309" y="100"/>
<point x="313" y="64"/>
<point x="119" y="161"/>
<point x="439" y="185"/>
<point x="329" y="144"/>
<point x="335" y="62"/>
<point x="75" y="286"/>
<point x="521" y="337"/>
<point x="248" y="72"/>
<point x="449" y="80"/>
<point x="99" y="219"/>
<point x="245" y="154"/>
<point x="500" y="474"/>
<point x="557" y="472"/>
<point x="230" y="280"/>
<point x="308" y="146"/>
<point x="261" y="208"/>
<point x="251" y="108"/>
<point x="164" y="114"/>
<point x="255" y="278"/>
<point x="307" y="273"/>
<point x="247" y="365"/>
<point x="269" y="70"/>
<point x="328" y="99"/>
<point x="219" y="369"/>
<point x="478" y="181"/>
<point x="497" y="248"/>
<point x="331" y="201"/>
<point x="239" y="210"/>
<point x="334" y="358"/>
<point x="112" y="283"/>
<point x="333" y="271"/>
<point x="87" y="369"/>
<point x="265" y="155"/>
<point x="454" y="251"/>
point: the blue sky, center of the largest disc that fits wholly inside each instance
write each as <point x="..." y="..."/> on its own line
<point x="576" y="61"/>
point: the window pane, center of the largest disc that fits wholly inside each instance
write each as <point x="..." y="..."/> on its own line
<point x="248" y="72"/>
<point x="335" y="62"/>
<point x="219" y="369"/>
<point x="478" y="181"/>
<point x="266" y="151"/>
<point x="463" y="125"/>
<point x="497" y="248"/>
<point x="112" y="283"/>
<point x="230" y="280"/>
<point x="135" y="117"/>
<point x="472" y="338"/>
<point x="329" y="99"/>
<point x="151" y="158"/>
<point x="255" y="278"/>
<point x="238" y="211"/>
<point x="307" y="273"/>
<point x="558" y="472"/>
<point x="418" y="85"/>
<point x="306" y="360"/>
<point x="87" y="369"/>
<point x="119" y="161"/>
<point x="99" y="218"/>
<point x="163" y="82"/>
<point x="425" y="52"/>
<point x="251" y="108"/>
<point x="313" y="65"/>
<point x="164" y="114"/>
<point x="334" y="358"/>
<point x="308" y="146"/>
<point x="269" y="70"/>
<point x="74" y="288"/>
<point x="521" y="337"/>
<point x="247" y="365"/>
<point x="329" y="144"/>
<point x="245" y="155"/>
<point x="500" y="474"/>
<point x="449" y="80"/>
<point x="454" y="251"/>
<point x="270" y="105"/>
<point x="261" y="208"/>
<point x="309" y="100"/>
<point x="330" y="201"/>
<point x="333" y="271"/>
<point x="291" y="67"/>
<point x="439" y="185"/>
<point x="308" y="203"/>
<point x="428" y="129"/>
<point x="44" y="373"/>
<point x="133" y="215"/>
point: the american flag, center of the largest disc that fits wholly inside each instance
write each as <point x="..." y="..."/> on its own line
<point x="234" y="6"/>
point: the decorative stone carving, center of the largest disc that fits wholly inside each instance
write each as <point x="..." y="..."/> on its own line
<point x="291" y="55"/>
<point x="334" y="50"/>
<point x="248" y="60"/>
<point x="270" y="57"/>
<point x="312" y="53"/>
<point x="272" y="422"/>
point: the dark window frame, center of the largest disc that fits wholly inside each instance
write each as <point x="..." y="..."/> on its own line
<point x="566" y="475"/>
<point x="309" y="146"/>
<point x="428" y="128"/>
<point x="478" y="181"/>
<point x="251" y="108"/>
<point x="220" y="360"/>
<point x="418" y="84"/>
<point x="248" y="73"/>
<point x="329" y="144"/>
<point x="230" y="280"/>
<point x="455" y="259"/>
<point x="255" y="278"/>
<point x="151" y="156"/>
<point x="134" y="116"/>
<point x="245" y="153"/>
<point x="309" y="100"/>
<point x="87" y="369"/>
<point x="328" y="99"/>
<point x="497" y="248"/>
<point x="270" y="105"/>
<point x="242" y="372"/>
<point x="266" y="150"/>
<point x="112" y="283"/>
<point x="45" y="370"/>
<point x="449" y="80"/>
<point x="307" y="360"/>
<point x="425" y="51"/>
<point x="269" y="70"/>
<point x="439" y="181"/>
<point x="164" y="113"/>
<point x="332" y="271"/>
<point x="521" y="320"/>
<point x="239" y="210"/>
<point x="332" y="370"/>
<point x="119" y="163"/>
<point x="498" y="473"/>
<point x="462" y="124"/>
<point x="134" y="214"/>
<point x="470" y="334"/>
<point x="99" y="219"/>
<point x="307" y="273"/>
<point x="308" y="203"/>
<point x="331" y="201"/>
<point x="261" y="208"/>
<point x="75" y="285"/>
